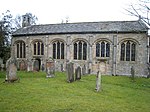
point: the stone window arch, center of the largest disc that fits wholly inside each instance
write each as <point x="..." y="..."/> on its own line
<point x="80" y="50"/>
<point x="38" y="47"/>
<point x="128" y="51"/>
<point x="21" y="49"/>
<point x="58" y="49"/>
<point x="103" y="49"/>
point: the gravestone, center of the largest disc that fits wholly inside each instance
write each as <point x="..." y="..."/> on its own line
<point x="29" y="65"/>
<point x="36" y="65"/>
<point x="62" y="68"/>
<point x="70" y="72"/>
<point x="22" y="65"/>
<point x="132" y="73"/>
<point x="11" y="70"/>
<point x="84" y="70"/>
<point x="98" y="81"/>
<point x="50" y="68"/>
<point x="2" y="67"/>
<point x="148" y="76"/>
<point x="78" y="73"/>
<point x="43" y="67"/>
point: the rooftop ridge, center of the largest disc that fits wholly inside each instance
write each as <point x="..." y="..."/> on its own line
<point x="87" y="22"/>
<point x="84" y="27"/>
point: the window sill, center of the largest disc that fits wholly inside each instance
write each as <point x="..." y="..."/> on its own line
<point x="102" y="58"/>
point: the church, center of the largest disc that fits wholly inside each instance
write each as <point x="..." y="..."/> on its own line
<point x="112" y="46"/>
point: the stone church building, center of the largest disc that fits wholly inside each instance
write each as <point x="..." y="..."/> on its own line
<point x="113" y="46"/>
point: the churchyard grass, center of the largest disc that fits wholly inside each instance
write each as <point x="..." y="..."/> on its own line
<point x="36" y="93"/>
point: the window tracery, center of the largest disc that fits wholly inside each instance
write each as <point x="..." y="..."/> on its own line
<point x="80" y="50"/>
<point x="128" y="51"/>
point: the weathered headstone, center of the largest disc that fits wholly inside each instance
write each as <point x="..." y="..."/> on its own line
<point x="132" y="73"/>
<point x="22" y="65"/>
<point x="98" y="81"/>
<point x="50" y="68"/>
<point x="148" y="76"/>
<point x="84" y="70"/>
<point x="36" y="65"/>
<point x="43" y="67"/>
<point x="89" y="71"/>
<point x="2" y="67"/>
<point x="78" y="73"/>
<point x="11" y="74"/>
<point x="29" y="65"/>
<point x="70" y="72"/>
<point x="62" y="68"/>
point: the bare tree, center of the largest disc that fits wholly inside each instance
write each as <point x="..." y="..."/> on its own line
<point x="141" y="9"/>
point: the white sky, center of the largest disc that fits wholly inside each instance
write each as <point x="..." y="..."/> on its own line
<point x="53" y="11"/>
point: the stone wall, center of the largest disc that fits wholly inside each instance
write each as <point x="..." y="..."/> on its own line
<point x="111" y="65"/>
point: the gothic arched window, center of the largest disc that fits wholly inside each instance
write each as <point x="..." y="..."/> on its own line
<point x="21" y="49"/>
<point x="102" y="49"/>
<point x="128" y="51"/>
<point x="80" y="50"/>
<point x="75" y="50"/>
<point x="38" y="48"/>
<point x="58" y="50"/>
<point x="122" y="52"/>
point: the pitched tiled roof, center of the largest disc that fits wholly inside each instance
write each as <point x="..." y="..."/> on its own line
<point x="85" y="27"/>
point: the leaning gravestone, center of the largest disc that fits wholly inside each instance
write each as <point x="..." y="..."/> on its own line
<point x="148" y="76"/>
<point x="36" y="65"/>
<point x="2" y="67"/>
<point x="29" y="65"/>
<point x="78" y="73"/>
<point x="70" y="72"/>
<point x="11" y="74"/>
<point x="50" y="68"/>
<point x="43" y="67"/>
<point x="132" y="73"/>
<point x="84" y="70"/>
<point x="62" y="68"/>
<point x="98" y="81"/>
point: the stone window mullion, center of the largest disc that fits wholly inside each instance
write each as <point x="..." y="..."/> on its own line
<point x="40" y="49"/>
<point x="56" y="49"/>
<point x="77" y="50"/>
<point x="130" y="51"/>
<point x="99" y="49"/>
<point x="60" y="49"/>
<point x="125" y="52"/>
<point x="22" y="50"/>
<point x="36" y="48"/>
<point x="82" y="51"/>
<point x="105" y="50"/>
<point x="19" y="50"/>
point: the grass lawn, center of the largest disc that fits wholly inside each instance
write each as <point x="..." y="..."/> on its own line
<point x="36" y="93"/>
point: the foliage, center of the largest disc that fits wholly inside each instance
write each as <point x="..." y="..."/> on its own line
<point x="36" y="93"/>
<point x="5" y="35"/>
<point x="8" y="25"/>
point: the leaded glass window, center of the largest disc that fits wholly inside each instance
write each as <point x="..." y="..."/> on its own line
<point x="128" y="51"/>
<point x="21" y="49"/>
<point x="38" y="48"/>
<point x="103" y="49"/>
<point x="80" y="50"/>
<point x="58" y="50"/>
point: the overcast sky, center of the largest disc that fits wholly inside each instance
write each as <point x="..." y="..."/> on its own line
<point x="54" y="11"/>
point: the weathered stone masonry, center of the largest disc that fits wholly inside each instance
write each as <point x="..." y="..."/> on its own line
<point x="77" y="43"/>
